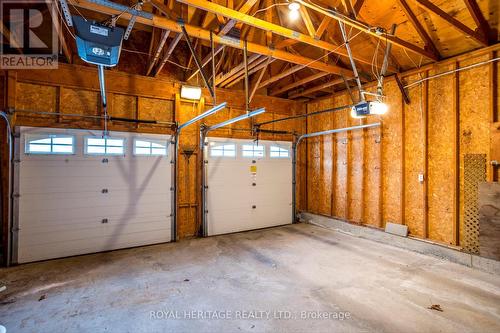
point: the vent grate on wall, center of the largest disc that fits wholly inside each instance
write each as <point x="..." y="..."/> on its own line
<point x="474" y="173"/>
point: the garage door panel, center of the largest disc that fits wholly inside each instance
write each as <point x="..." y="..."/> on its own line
<point x="68" y="201"/>
<point x="93" y="245"/>
<point x="231" y="194"/>
<point x="39" y="227"/>
<point x="62" y="206"/>
<point x="89" y="231"/>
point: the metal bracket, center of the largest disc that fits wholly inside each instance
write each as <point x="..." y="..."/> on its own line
<point x="196" y="60"/>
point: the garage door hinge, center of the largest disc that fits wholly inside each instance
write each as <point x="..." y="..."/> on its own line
<point x="16" y="195"/>
<point x="171" y="188"/>
<point x="206" y="161"/>
<point x="17" y="161"/>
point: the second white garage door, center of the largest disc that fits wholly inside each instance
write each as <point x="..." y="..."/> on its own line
<point x="249" y="185"/>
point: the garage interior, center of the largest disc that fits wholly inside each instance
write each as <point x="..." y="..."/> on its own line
<point x="255" y="166"/>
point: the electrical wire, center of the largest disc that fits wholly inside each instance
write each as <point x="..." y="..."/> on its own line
<point x="269" y="7"/>
<point x="451" y="72"/>
<point x="72" y="5"/>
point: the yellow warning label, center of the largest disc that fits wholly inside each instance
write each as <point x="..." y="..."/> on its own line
<point x="253" y="169"/>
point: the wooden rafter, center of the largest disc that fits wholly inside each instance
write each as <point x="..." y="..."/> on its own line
<point x="322" y="27"/>
<point x="57" y="26"/>
<point x="206" y="60"/>
<point x="429" y="6"/>
<point x="281" y="75"/>
<point x="157" y="53"/>
<point x="236" y="69"/>
<point x="253" y="69"/>
<point x="363" y="27"/>
<point x="307" y="21"/>
<point x="357" y="6"/>
<point x="259" y="78"/>
<point x="244" y="8"/>
<point x="349" y="8"/>
<point x="280" y="30"/>
<point x="298" y="83"/>
<point x="478" y="17"/>
<point x="429" y="43"/>
<point x="167" y="54"/>
<point x="316" y="88"/>
<point x="197" y="32"/>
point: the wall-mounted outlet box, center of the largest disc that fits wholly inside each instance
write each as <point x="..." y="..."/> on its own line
<point x="420" y="178"/>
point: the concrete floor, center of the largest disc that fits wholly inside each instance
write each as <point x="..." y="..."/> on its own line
<point x="290" y="271"/>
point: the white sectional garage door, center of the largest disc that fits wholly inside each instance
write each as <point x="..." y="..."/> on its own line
<point x="249" y="186"/>
<point x="79" y="194"/>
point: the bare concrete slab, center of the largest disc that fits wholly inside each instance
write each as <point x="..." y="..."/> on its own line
<point x="297" y="278"/>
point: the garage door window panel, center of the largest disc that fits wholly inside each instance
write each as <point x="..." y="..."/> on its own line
<point x="148" y="147"/>
<point x="252" y="150"/>
<point x="223" y="150"/>
<point x="278" y="152"/>
<point x="104" y="146"/>
<point x="50" y="144"/>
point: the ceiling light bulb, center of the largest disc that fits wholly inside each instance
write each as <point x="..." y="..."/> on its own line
<point x="293" y="15"/>
<point x="294" y="6"/>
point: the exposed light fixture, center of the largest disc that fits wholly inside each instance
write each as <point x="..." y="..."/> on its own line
<point x="363" y="109"/>
<point x="294" y="10"/>
<point x="190" y="92"/>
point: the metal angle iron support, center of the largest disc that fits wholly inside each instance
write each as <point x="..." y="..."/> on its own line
<point x="123" y="8"/>
<point x="196" y="60"/>
<point x="353" y="63"/>
<point x="66" y="12"/>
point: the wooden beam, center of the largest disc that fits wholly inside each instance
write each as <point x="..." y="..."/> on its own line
<point x="206" y="60"/>
<point x="239" y="70"/>
<point x="57" y="26"/>
<point x="429" y="6"/>
<point x="168" y="53"/>
<point x="349" y="8"/>
<point x="269" y="18"/>
<point x="197" y="32"/>
<point x="357" y="6"/>
<point x="277" y="29"/>
<point x="281" y="75"/>
<point x="316" y="88"/>
<point x="429" y="43"/>
<point x="235" y="70"/>
<point x="477" y="15"/>
<point x="297" y="83"/>
<point x="157" y="53"/>
<point x="257" y="83"/>
<point x="258" y="65"/>
<point x="363" y="27"/>
<point x="307" y="21"/>
<point x="6" y="34"/>
<point x="244" y="8"/>
<point x="322" y="27"/>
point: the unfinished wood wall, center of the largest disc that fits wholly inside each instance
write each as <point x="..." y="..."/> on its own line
<point x="371" y="176"/>
<point x="75" y="90"/>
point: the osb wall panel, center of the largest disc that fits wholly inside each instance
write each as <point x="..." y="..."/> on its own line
<point x="36" y="97"/>
<point x="447" y="118"/>
<point x="475" y="104"/>
<point x="340" y="119"/>
<point x="372" y="176"/>
<point x="392" y="156"/>
<point x="441" y="155"/>
<point x="356" y="171"/>
<point x="415" y="114"/>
